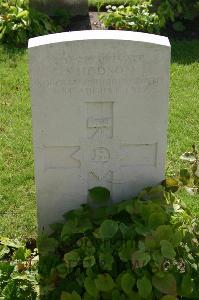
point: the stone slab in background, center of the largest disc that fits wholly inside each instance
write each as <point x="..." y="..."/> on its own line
<point x="75" y="7"/>
<point x="99" y="106"/>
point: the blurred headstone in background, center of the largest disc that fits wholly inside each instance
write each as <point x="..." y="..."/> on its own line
<point x="52" y="7"/>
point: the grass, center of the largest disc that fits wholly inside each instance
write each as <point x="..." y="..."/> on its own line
<point x="183" y="128"/>
<point x="17" y="190"/>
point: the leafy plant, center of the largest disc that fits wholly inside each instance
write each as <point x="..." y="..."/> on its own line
<point x="18" y="271"/>
<point x="135" y="249"/>
<point x="136" y="17"/>
<point x="177" y="12"/>
<point x="189" y="177"/>
<point x="19" y="22"/>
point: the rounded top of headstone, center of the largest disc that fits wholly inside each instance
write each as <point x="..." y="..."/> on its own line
<point x="99" y="35"/>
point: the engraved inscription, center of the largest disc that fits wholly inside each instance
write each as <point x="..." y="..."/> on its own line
<point x="101" y="157"/>
<point x="99" y="118"/>
<point x="105" y="74"/>
<point x="123" y="155"/>
<point x="102" y="58"/>
<point x="92" y="86"/>
<point x="101" y="154"/>
<point x="99" y="122"/>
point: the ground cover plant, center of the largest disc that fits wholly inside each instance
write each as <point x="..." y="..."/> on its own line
<point x="18" y="271"/>
<point x="142" y="248"/>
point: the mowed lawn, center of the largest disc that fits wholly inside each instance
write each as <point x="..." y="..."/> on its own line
<point x="17" y="189"/>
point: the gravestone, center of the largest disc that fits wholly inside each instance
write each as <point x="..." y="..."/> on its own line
<point x="51" y="7"/>
<point x="99" y="106"/>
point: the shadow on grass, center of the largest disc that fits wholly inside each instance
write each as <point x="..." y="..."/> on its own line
<point x="11" y="51"/>
<point x="184" y="52"/>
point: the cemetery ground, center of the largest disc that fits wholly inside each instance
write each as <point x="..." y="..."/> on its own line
<point x="17" y="189"/>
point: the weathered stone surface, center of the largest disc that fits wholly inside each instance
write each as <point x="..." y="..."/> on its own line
<point x="75" y="7"/>
<point x="99" y="105"/>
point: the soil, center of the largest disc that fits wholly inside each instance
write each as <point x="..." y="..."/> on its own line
<point x="92" y="22"/>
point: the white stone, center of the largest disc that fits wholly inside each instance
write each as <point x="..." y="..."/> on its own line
<point x="99" y="105"/>
<point x="75" y="7"/>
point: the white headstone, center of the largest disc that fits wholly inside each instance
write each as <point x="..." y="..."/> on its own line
<point x="99" y="105"/>
<point x="75" y="7"/>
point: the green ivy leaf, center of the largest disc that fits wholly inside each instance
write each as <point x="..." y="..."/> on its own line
<point x="99" y="195"/>
<point x="90" y="287"/>
<point x="156" y="219"/>
<point x="134" y="296"/>
<point x="140" y="259"/>
<point x="62" y="270"/>
<point x="167" y="249"/>
<point x="83" y="225"/>
<point x="126" y="250"/>
<point x="47" y="245"/>
<point x="144" y="287"/>
<point x="99" y="214"/>
<point x="68" y="296"/>
<point x="187" y="285"/>
<point x="68" y="229"/>
<point x="108" y="229"/>
<point x="163" y="232"/>
<point x="166" y="284"/>
<point x="157" y="257"/>
<point x="146" y="211"/>
<point x="142" y="229"/>
<point x="89" y="261"/>
<point x="127" y="282"/>
<point x="116" y="295"/>
<point x="150" y="243"/>
<point x="104" y="283"/>
<point x="125" y="230"/>
<point x="80" y="224"/>
<point x="87" y="296"/>
<point x="176" y="239"/>
<point x="106" y="261"/>
<point x="72" y="259"/>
